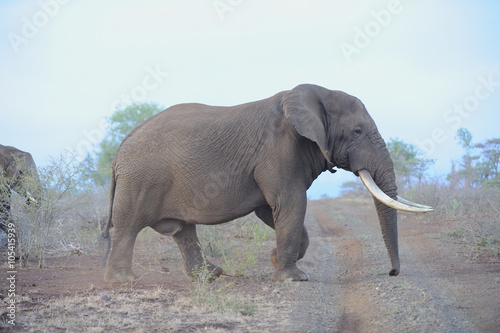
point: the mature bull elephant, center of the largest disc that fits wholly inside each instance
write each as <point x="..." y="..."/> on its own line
<point x="17" y="172"/>
<point x="197" y="164"/>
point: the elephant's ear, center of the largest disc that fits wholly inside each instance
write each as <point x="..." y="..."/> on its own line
<point x="305" y="111"/>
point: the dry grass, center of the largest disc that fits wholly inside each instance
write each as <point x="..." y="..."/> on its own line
<point x="158" y="309"/>
<point x="96" y="311"/>
<point x="471" y="216"/>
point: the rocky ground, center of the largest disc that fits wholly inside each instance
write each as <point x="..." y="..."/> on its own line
<point x="440" y="288"/>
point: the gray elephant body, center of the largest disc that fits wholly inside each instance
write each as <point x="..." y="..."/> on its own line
<point x="196" y="164"/>
<point x="218" y="167"/>
<point x="20" y="174"/>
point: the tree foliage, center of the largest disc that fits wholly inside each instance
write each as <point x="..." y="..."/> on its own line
<point x="479" y="166"/>
<point x="409" y="163"/>
<point x="121" y="123"/>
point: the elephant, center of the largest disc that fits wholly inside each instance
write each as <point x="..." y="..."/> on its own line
<point x="18" y="172"/>
<point x="197" y="164"/>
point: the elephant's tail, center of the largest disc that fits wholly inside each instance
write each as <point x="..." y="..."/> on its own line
<point x="109" y="224"/>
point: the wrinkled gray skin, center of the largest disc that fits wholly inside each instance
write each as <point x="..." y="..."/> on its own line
<point x="19" y="171"/>
<point x="197" y="164"/>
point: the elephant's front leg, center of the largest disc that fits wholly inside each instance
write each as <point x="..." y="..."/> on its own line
<point x="265" y="213"/>
<point x="304" y="244"/>
<point x="291" y="245"/>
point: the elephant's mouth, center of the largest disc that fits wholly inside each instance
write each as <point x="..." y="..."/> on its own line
<point x="400" y="204"/>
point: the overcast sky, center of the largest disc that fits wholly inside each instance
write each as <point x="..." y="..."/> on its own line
<point x="422" y="68"/>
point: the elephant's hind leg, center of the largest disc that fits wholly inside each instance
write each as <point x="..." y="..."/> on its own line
<point x="119" y="266"/>
<point x="196" y="266"/>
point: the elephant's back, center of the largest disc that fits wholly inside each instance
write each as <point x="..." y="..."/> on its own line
<point x="185" y="137"/>
<point x="177" y="138"/>
<point x="174" y="130"/>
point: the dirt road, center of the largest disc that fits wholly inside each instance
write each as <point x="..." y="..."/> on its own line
<point x="438" y="289"/>
<point x="350" y="291"/>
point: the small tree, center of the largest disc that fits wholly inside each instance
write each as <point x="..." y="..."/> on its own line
<point x="480" y="165"/>
<point x="489" y="165"/>
<point x="60" y="180"/>
<point x="467" y="170"/>
<point x="408" y="162"/>
<point x="121" y="123"/>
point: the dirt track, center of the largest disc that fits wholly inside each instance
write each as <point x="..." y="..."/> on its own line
<point x="438" y="289"/>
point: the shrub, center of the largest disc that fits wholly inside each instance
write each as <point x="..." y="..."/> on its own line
<point x="66" y="189"/>
<point x="470" y="214"/>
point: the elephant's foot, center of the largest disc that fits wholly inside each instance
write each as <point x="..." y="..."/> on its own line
<point x="205" y="272"/>
<point x="119" y="276"/>
<point x="291" y="273"/>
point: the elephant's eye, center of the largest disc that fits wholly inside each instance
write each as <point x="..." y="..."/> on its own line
<point x="356" y="132"/>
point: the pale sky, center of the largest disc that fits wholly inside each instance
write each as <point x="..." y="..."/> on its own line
<point x="422" y="68"/>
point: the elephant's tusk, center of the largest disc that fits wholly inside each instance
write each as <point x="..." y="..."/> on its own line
<point x="409" y="203"/>
<point x="30" y="198"/>
<point x="367" y="180"/>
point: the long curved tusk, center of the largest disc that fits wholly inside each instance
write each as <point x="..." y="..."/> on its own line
<point x="409" y="203"/>
<point x="30" y="198"/>
<point x="367" y="180"/>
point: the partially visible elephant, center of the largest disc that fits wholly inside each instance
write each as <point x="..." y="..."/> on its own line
<point x="197" y="164"/>
<point x="19" y="173"/>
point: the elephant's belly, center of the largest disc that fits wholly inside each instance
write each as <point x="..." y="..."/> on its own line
<point x="217" y="209"/>
<point x="168" y="227"/>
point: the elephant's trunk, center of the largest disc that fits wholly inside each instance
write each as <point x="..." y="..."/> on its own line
<point x="388" y="216"/>
<point x="380" y="180"/>
<point x="383" y="188"/>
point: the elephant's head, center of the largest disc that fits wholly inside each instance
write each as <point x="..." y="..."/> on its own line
<point x="348" y="138"/>
<point x="20" y="170"/>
